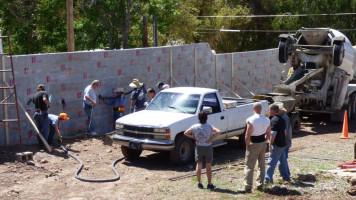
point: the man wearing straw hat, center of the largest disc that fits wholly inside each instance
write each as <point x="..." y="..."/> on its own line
<point x="137" y="96"/>
<point x="89" y="102"/>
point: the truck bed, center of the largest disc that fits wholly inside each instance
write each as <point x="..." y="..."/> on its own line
<point x="231" y="102"/>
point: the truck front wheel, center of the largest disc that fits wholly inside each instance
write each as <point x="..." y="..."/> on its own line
<point x="183" y="151"/>
<point x="130" y="153"/>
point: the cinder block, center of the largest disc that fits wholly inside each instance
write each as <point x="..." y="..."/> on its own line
<point x="24" y="156"/>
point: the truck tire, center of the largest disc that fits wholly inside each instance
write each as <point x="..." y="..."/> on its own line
<point x="353" y="106"/>
<point x="130" y="154"/>
<point x="242" y="142"/>
<point x="183" y="151"/>
<point x="338" y="53"/>
<point x="283" y="50"/>
<point x="295" y="123"/>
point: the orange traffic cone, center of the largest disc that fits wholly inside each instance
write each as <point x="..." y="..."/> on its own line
<point x="345" y="128"/>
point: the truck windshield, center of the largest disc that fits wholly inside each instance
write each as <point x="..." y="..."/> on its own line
<point x="175" y="102"/>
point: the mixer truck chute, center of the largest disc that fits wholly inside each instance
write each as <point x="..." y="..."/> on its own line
<point x="324" y="64"/>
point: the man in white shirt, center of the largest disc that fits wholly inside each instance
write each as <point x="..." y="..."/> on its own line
<point x="89" y="101"/>
<point x="257" y="133"/>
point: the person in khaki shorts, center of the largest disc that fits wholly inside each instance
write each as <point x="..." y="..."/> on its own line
<point x="257" y="133"/>
<point x="203" y="134"/>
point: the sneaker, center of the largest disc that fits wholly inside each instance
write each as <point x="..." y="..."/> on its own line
<point x="210" y="186"/>
<point x="200" y="185"/>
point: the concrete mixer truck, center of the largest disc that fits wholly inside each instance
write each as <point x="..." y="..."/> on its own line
<point x="324" y="65"/>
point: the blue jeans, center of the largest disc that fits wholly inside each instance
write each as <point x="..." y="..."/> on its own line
<point x="91" y="124"/>
<point x="277" y="155"/>
<point x="116" y="116"/>
<point x="52" y="131"/>
<point x="284" y="173"/>
<point x="42" y="123"/>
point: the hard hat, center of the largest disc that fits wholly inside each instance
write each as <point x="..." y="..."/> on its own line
<point x="63" y="116"/>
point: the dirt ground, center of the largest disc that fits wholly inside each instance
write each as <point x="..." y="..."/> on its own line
<point x="51" y="176"/>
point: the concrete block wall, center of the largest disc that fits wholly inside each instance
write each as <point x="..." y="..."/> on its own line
<point x="65" y="76"/>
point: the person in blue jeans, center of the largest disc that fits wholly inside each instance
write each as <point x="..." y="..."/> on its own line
<point x="283" y="113"/>
<point x="41" y="101"/>
<point x="89" y="102"/>
<point x="277" y="144"/>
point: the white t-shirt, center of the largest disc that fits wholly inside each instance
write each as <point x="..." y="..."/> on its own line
<point x="89" y="91"/>
<point x="203" y="132"/>
<point x="260" y="124"/>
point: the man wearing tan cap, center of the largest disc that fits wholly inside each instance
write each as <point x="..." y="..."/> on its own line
<point x="137" y="96"/>
<point x="89" y="102"/>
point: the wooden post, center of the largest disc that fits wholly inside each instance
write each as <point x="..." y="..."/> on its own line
<point x="144" y="33"/>
<point x="195" y="66"/>
<point x="232" y="72"/>
<point x="171" y="68"/>
<point x="4" y="93"/>
<point x="70" y="28"/>
<point x="216" y="72"/>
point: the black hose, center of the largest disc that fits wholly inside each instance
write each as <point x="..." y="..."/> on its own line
<point x="76" y="174"/>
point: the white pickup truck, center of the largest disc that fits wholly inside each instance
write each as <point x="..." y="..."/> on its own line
<point x="161" y="126"/>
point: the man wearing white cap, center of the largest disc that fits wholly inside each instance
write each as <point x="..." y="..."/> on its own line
<point x="89" y="102"/>
<point x="118" y="102"/>
<point x="137" y="96"/>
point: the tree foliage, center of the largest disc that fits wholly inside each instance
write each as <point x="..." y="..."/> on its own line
<point x="40" y="26"/>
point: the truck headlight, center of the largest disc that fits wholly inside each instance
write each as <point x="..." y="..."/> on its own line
<point x="161" y="130"/>
<point x="119" y="126"/>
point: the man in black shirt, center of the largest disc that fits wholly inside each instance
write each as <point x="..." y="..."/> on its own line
<point x="277" y="143"/>
<point x="42" y="104"/>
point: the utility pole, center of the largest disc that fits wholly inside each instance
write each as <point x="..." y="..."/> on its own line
<point x="70" y="28"/>
<point x="155" y="31"/>
<point x="144" y="34"/>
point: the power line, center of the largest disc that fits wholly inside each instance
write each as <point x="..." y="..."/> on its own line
<point x="257" y="31"/>
<point x="283" y="15"/>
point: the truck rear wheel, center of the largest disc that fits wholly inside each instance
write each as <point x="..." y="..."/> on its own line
<point x="183" y="151"/>
<point x="338" y="53"/>
<point x="130" y="153"/>
<point x="295" y="122"/>
<point x="283" y="50"/>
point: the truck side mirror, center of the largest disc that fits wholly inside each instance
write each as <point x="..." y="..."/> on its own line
<point x="207" y="109"/>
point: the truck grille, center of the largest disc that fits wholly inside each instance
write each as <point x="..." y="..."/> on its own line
<point x="139" y="129"/>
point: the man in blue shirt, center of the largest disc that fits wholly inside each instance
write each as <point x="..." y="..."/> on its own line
<point x="137" y="96"/>
<point x="118" y="102"/>
<point x="54" y="126"/>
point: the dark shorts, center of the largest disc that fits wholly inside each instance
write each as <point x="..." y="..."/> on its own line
<point x="204" y="153"/>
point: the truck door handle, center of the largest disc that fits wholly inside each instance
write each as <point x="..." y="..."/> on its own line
<point x="222" y="117"/>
